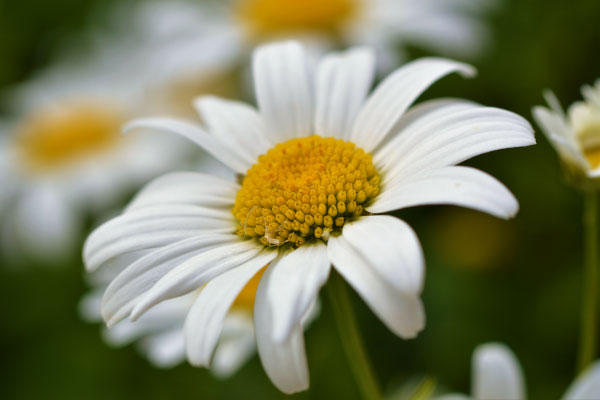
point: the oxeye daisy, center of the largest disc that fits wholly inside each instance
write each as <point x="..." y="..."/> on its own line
<point x="497" y="374"/>
<point x="575" y="135"/>
<point x="62" y="151"/>
<point x="320" y="163"/>
<point x="450" y="27"/>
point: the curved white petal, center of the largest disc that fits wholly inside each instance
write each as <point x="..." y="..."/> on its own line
<point x="496" y="374"/>
<point x="449" y="134"/>
<point x="294" y="285"/>
<point x="236" y="125"/>
<point x="164" y="350"/>
<point x="285" y="362"/>
<point x="391" y="248"/>
<point x="460" y="186"/>
<point x="403" y="314"/>
<point x="343" y="82"/>
<point x="196" y="135"/>
<point x="204" y="322"/>
<point x="152" y="227"/>
<point x="124" y="291"/>
<point x="236" y="346"/>
<point x="395" y="94"/>
<point x="586" y="386"/>
<point x="283" y="90"/>
<point x="186" y="188"/>
<point x="195" y="272"/>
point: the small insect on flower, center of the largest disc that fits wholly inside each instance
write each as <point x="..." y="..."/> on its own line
<point x="320" y="171"/>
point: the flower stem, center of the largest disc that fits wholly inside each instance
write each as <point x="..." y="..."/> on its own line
<point x="589" y="304"/>
<point x="351" y="339"/>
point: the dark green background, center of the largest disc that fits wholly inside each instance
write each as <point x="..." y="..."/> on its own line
<point x="526" y="294"/>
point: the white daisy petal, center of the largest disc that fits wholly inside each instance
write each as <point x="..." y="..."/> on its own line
<point x="496" y="374"/>
<point x="450" y="134"/>
<point x="195" y="272"/>
<point x="284" y="362"/>
<point x="204" y="322"/>
<point x="460" y="186"/>
<point x="236" y="125"/>
<point x="237" y="343"/>
<point x="164" y="350"/>
<point x="395" y="94"/>
<point x="294" y="285"/>
<point x="283" y="90"/>
<point x="186" y="188"/>
<point x="151" y="227"/>
<point x="391" y="248"/>
<point x="343" y="82"/>
<point x="196" y="135"/>
<point x="403" y="314"/>
<point x="124" y="291"/>
<point x="586" y="386"/>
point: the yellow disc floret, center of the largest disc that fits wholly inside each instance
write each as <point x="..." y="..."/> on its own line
<point x="52" y="138"/>
<point x="272" y="17"/>
<point x="305" y="189"/>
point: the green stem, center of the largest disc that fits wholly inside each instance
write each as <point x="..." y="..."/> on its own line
<point x="589" y="304"/>
<point x="350" y="338"/>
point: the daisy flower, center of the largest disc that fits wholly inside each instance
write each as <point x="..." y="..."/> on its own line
<point x="575" y="135"/>
<point x="62" y="153"/>
<point x="449" y="27"/>
<point x="320" y="162"/>
<point x="498" y="375"/>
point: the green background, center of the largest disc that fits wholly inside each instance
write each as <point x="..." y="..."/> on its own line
<point x="521" y="288"/>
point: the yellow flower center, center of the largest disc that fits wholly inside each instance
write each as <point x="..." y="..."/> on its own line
<point x="304" y="189"/>
<point x="589" y="138"/>
<point x="56" y="137"/>
<point x="268" y="17"/>
<point x="245" y="299"/>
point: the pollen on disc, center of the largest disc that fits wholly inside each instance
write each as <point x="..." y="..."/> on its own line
<point x="304" y="189"/>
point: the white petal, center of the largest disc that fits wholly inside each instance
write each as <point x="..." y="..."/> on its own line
<point x="391" y="248"/>
<point x="395" y="94"/>
<point x="236" y="345"/>
<point x="165" y="350"/>
<point x="283" y="90"/>
<point x="460" y="186"/>
<point x="285" y="362"/>
<point x="403" y="314"/>
<point x="151" y="227"/>
<point x="236" y="125"/>
<point x="195" y="272"/>
<point x="496" y="374"/>
<point x="449" y="134"/>
<point x="205" y="320"/>
<point x="343" y="82"/>
<point x="124" y="291"/>
<point x="294" y="285"/>
<point x="46" y="222"/>
<point x="186" y="188"/>
<point x="586" y="386"/>
<point x="196" y="135"/>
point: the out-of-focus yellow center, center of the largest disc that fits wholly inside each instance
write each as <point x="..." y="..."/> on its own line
<point x="245" y="299"/>
<point x="269" y="17"/>
<point x="589" y="138"/>
<point x="304" y="189"/>
<point x="53" y="138"/>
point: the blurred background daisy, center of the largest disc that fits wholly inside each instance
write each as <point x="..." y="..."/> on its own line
<point x="514" y="282"/>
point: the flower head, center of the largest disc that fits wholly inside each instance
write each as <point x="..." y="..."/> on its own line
<point x="575" y="135"/>
<point x="320" y="162"/>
